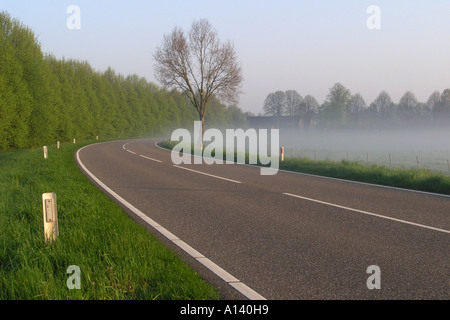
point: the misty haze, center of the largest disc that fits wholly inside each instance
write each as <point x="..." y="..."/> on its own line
<point x="431" y="146"/>
<point x="404" y="134"/>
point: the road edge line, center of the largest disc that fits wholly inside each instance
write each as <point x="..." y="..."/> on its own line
<point x="210" y="265"/>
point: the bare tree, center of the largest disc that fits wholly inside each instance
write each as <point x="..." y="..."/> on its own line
<point x="310" y="108"/>
<point x="200" y="65"/>
<point x="355" y="107"/>
<point x="383" y="105"/>
<point x="408" y="105"/>
<point x="356" y="104"/>
<point x="293" y="103"/>
<point x="442" y="107"/>
<point x="311" y="105"/>
<point x="275" y="104"/>
<point x="434" y="100"/>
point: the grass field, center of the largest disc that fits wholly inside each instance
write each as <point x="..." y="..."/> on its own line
<point x="414" y="179"/>
<point x="118" y="258"/>
<point x="433" y="160"/>
<point x="403" y="149"/>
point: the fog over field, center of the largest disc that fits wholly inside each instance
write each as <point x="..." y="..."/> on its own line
<point x="425" y="147"/>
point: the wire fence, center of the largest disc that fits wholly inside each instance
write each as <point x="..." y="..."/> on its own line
<point x="437" y="161"/>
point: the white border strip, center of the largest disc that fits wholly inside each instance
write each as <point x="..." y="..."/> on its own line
<point x="221" y="273"/>
<point x="367" y="213"/>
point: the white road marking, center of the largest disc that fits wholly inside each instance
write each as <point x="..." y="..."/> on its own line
<point x="218" y="271"/>
<point x="207" y="174"/>
<point x="124" y="148"/>
<point x="150" y="158"/>
<point x="367" y="213"/>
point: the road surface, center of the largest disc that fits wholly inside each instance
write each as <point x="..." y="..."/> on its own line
<point x="287" y="236"/>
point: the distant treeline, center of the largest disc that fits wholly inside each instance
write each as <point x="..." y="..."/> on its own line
<point x="342" y="109"/>
<point x="44" y="99"/>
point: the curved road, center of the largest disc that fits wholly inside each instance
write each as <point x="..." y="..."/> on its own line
<point x="288" y="236"/>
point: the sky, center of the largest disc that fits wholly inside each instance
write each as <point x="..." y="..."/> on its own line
<point x="306" y="46"/>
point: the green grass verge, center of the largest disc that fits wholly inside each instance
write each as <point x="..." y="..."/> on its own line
<point x="118" y="258"/>
<point x="413" y="179"/>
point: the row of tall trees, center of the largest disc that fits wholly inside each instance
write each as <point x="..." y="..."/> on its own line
<point x="343" y="109"/>
<point x="44" y="99"/>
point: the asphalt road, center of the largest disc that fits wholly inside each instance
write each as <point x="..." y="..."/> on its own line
<point x="287" y="236"/>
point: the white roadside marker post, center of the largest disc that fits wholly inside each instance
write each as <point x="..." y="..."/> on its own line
<point x="45" y="152"/>
<point x="50" y="216"/>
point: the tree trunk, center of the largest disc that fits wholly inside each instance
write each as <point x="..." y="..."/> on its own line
<point x="202" y="119"/>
